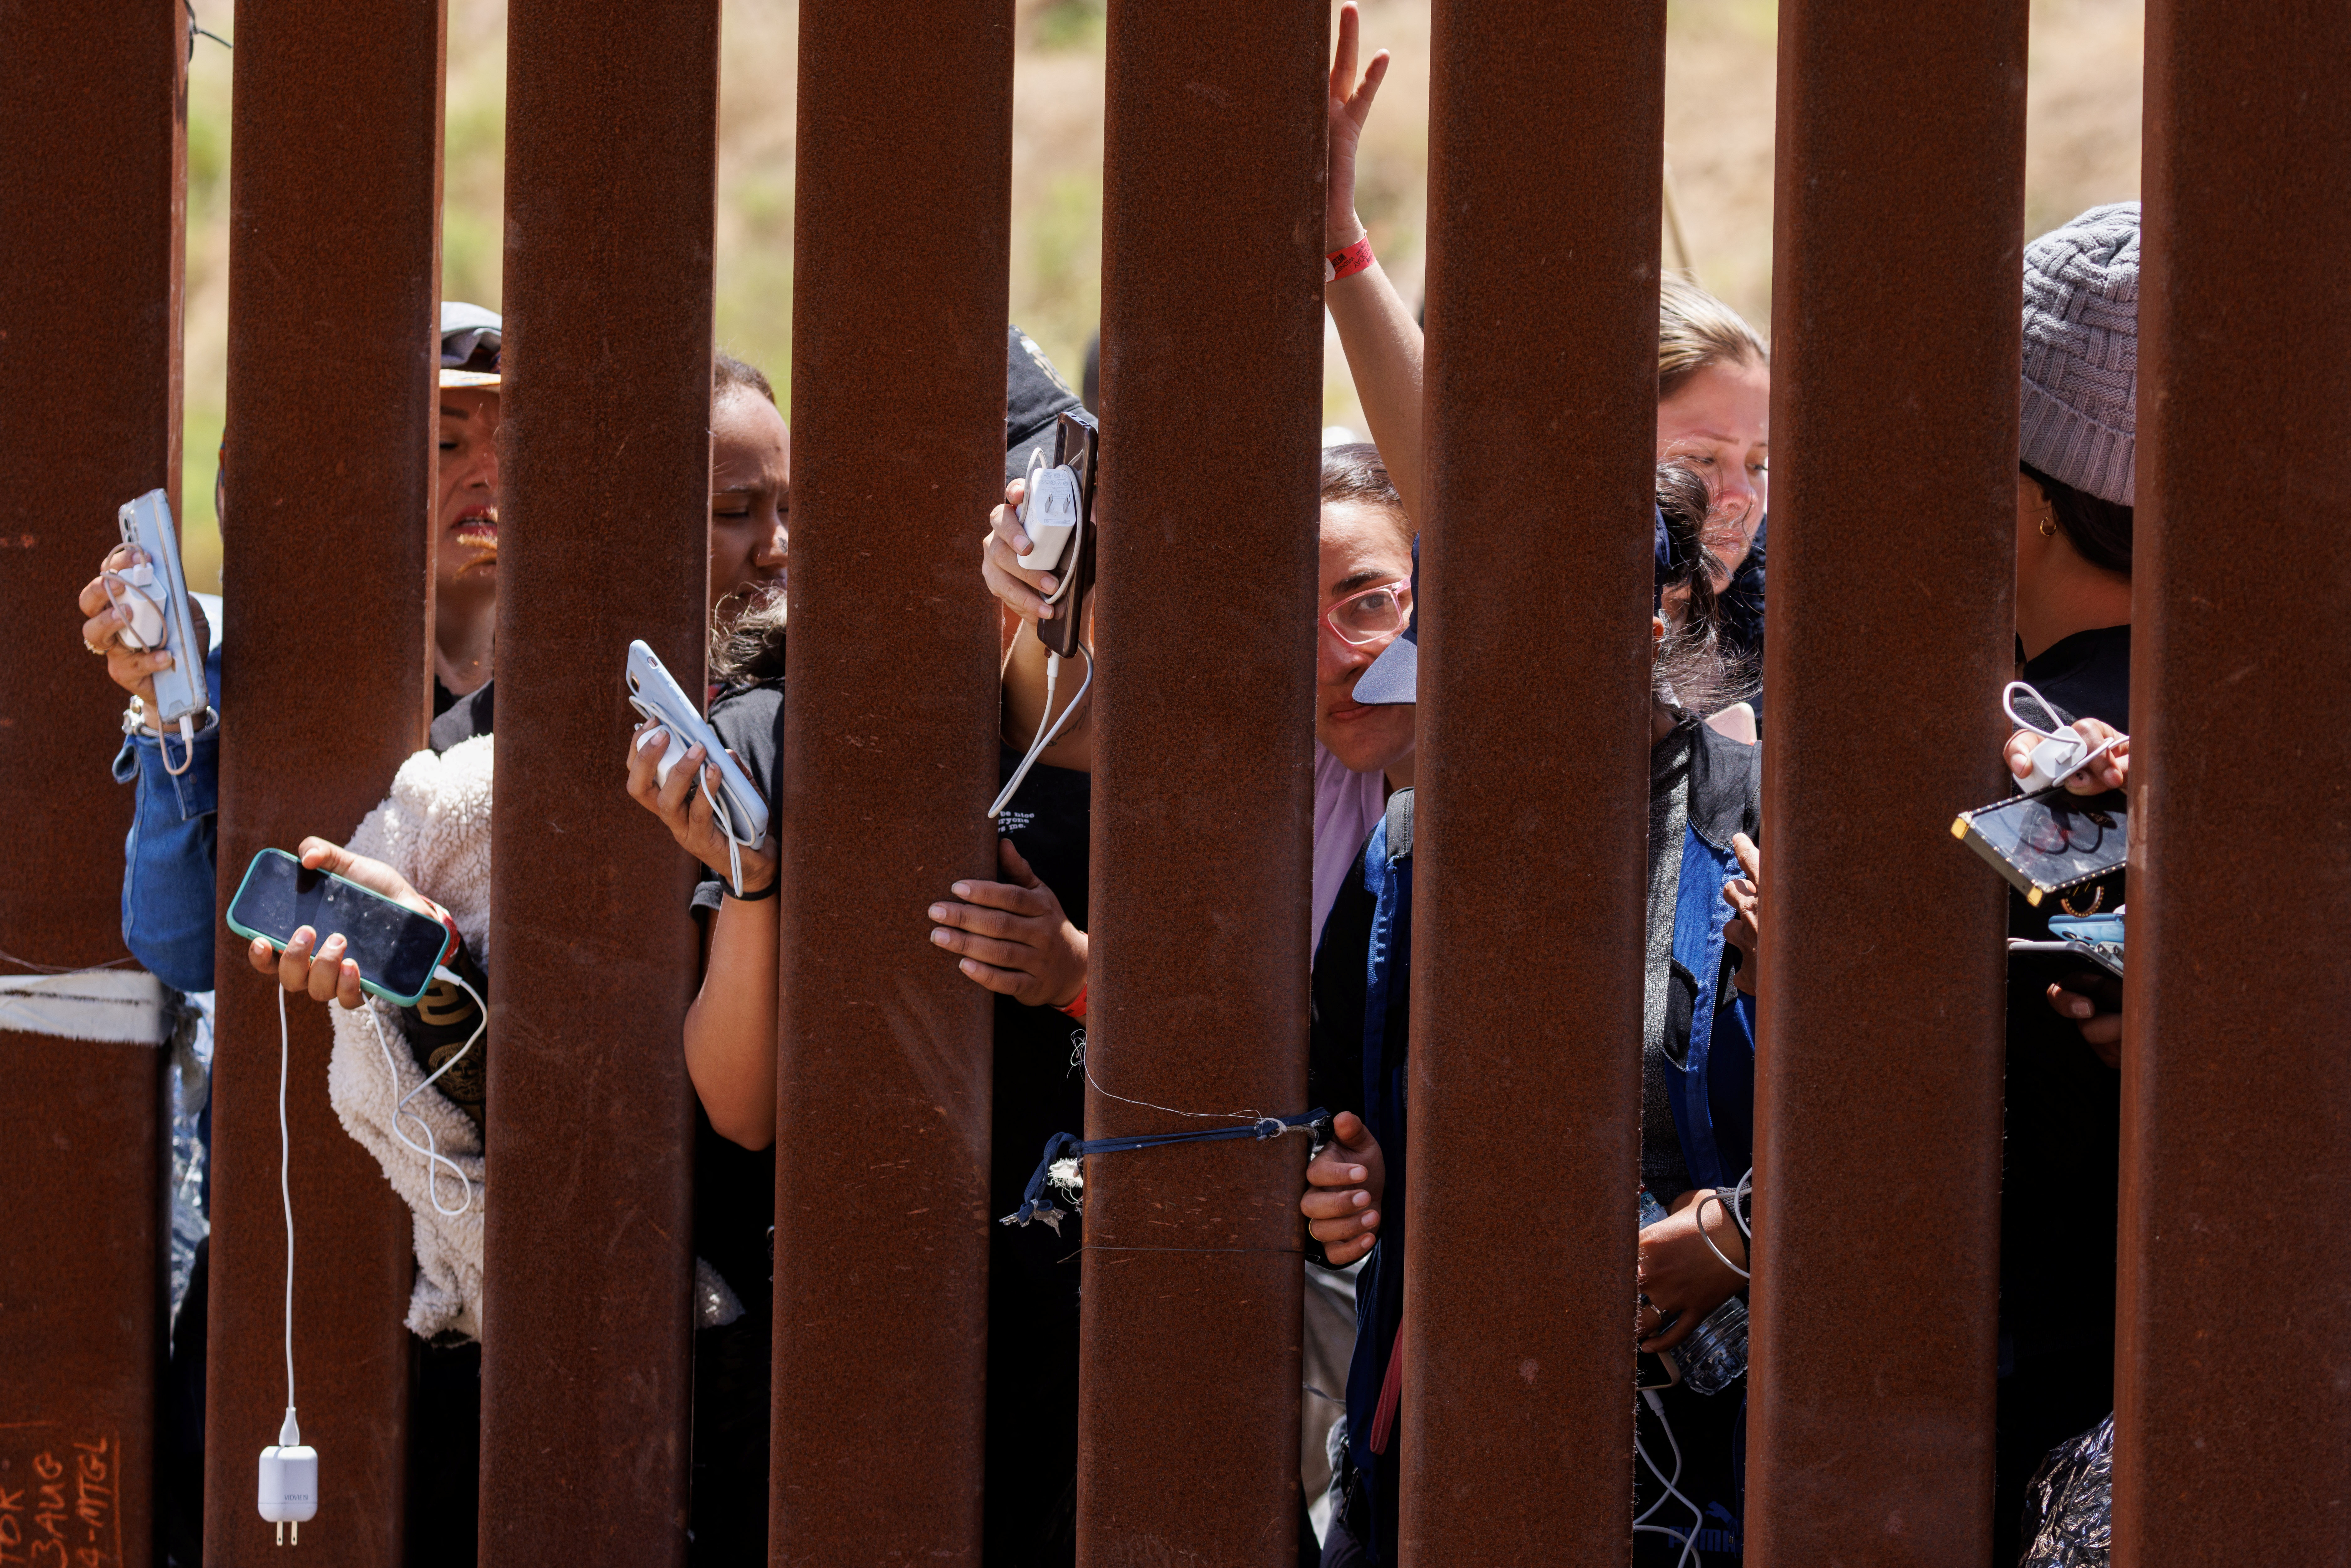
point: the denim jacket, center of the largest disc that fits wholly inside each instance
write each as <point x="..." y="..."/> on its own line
<point x="167" y="874"/>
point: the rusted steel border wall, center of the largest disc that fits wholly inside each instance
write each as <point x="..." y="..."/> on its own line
<point x="587" y="1364"/>
<point x="901" y="244"/>
<point x="1896" y="265"/>
<point x="1212" y="341"/>
<point x="334" y="263"/>
<point x="1531" y="811"/>
<point x="2233" y="1432"/>
<point x="92" y="165"/>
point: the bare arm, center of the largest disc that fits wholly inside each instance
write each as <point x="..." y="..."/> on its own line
<point x="1382" y="340"/>
<point x="730" y="1030"/>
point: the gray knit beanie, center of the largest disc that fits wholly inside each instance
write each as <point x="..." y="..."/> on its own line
<point x="2081" y="352"/>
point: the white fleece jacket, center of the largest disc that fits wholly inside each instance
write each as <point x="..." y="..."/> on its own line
<point x="435" y="830"/>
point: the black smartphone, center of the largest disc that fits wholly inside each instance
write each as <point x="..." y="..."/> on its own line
<point x="1081" y="448"/>
<point x="2049" y="842"/>
<point x="395" y="948"/>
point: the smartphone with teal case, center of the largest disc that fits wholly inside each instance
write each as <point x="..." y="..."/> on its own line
<point x="396" y="949"/>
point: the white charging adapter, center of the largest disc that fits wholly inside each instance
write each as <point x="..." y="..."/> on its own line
<point x="289" y="1493"/>
<point x="289" y="1480"/>
<point x="2061" y="752"/>
<point x="140" y="602"/>
<point x="1049" y="513"/>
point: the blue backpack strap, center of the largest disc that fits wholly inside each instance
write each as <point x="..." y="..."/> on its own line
<point x="1379" y="1288"/>
<point x="1387" y="877"/>
<point x="1699" y="916"/>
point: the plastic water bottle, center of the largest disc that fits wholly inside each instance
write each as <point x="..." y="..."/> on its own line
<point x="1715" y="1354"/>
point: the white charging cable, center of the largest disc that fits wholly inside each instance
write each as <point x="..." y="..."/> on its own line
<point x="431" y="1148"/>
<point x="1048" y="726"/>
<point x="285" y="1193"/>
<point x="288" y="1492"/>
<point x="1672" y="1483"/>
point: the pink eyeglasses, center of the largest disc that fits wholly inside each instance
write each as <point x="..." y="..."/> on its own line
<point x="1375" y="614"/>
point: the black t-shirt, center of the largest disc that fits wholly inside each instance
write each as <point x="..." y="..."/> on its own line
<point x="2064" y="1106"/>
<point x="1038" y="1091"/>
<point x="734" y="1187"/>
<point x="749" y="721"/>
<point x="2087" y="675"/>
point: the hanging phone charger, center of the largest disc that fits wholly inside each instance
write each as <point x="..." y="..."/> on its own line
<point x="1049" y="513"/>
<point x="289" y="1480"/>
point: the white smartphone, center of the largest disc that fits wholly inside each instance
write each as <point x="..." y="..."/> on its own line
<point x="156" y="596"/>
<point x="742" y="811"/>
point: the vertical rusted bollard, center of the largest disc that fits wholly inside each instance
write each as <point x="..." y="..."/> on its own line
<point x="1526" y="1004"/>
<point x="1211" y="386"/>
<point x="333" y="251"/>
<point x="2233" y="1435"/>
<point x="586" y="1366"/>
<point x="1899" y="224"/>
<point x="902" y="241"/>
<point x="91" y="158"/>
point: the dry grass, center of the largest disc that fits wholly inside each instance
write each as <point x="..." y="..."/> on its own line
<point x="2082" y="148"/>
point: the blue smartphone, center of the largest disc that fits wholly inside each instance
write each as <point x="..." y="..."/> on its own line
<point x="396" y="949"/>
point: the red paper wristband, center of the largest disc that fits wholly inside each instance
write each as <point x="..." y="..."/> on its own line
<point x="1076" y="1006"/>
<point x="1346" y="263"/>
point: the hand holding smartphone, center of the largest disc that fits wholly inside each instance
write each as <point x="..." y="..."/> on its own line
<point x="1081" y="447"/>
<point x="396" y="947"/>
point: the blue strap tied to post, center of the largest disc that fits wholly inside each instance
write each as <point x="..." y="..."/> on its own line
<point x="1058" y="1177"/>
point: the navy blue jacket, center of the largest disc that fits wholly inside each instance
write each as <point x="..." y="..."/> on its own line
<point x="1363" y="972"/>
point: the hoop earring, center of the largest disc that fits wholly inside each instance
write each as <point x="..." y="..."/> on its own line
<point x="2048" y="527"/>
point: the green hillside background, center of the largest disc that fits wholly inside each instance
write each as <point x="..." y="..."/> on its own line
<point x="2083" y="147"/>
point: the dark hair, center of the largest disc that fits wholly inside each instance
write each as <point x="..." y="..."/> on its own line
<point x="1354" y="475"/>
<point x="1691" y="671"/>
<point x="748" y="647"/>
<point x="728" y="374"/>
<point x="2098" y="529"/>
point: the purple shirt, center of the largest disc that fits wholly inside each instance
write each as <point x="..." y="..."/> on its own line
<point x="1347" y="806"/>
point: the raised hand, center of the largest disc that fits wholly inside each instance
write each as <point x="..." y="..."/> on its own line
<point x="1351" y="105"/>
